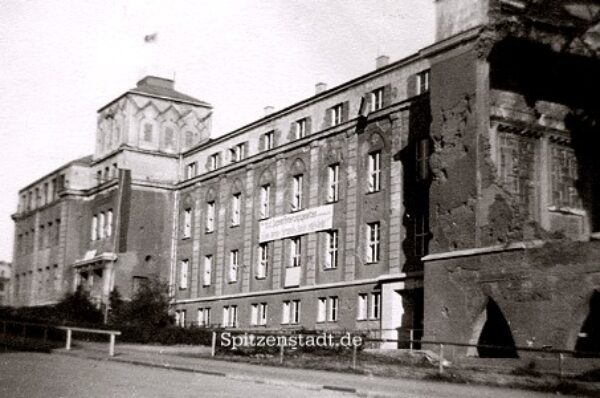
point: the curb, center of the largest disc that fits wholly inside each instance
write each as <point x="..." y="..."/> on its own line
<point x="234" y="376"/>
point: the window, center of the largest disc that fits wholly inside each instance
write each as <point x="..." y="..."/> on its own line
<point x="331" y="243"/>
<point x="101" y="225"/>
<point x="180" y="318"/>
<point x="336" y="114"/>
<point x="422" y="82"/>
<point x="41" y="236"/>
<point x="422" y="158"/>
<point x="235" y="209"/>
<point x="421" y="234"/>
<point x="297" y="192"/>
<point x="190" y="170"/>
<point x="147" y="132"/>
<point x="169" y="137"/>
<point x="300" y="128"/>
<point x="333" y="173"/>
<point x="183" y="274"/>
<point x="269" y="140"/>
<point x="203" y="316"/>
<point x="208" y="265"/>
<point x="291" y="312"/>
<point x="263" y="261"/>
<point x="187" y="223"/>
<point x="94" y="234"/>
<point x="374" y="170"/>
<point x="321" y="309"/>
<point x="233" y="265"/>
<point x="295" y="252"/>
<point x="285" y="312"/>
<point x="237" y="153"/>
<point x="230" y="316"/>
<point x="362" y="308"/>
<point x="265" y="197"/>
<point x="332" y="315"/>
<point x="518" y="170"/>
<point x="213" y="161"/>
<point x="262" y="313"/>
<point x="377" y="99"/>
<point x="564" y="175"/>
<point x="375" y="312"/>
<point x="373" y="236"/>
<point x="210" y="216"/>
<point x="258" y="314"/>
<point x="99" y="177"/>
<point x="109" y="223"/>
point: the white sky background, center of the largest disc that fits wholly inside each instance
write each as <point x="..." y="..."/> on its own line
<point x="61" y="60"/>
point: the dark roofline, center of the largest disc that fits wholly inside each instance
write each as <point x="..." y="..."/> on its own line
<point x="144" y="94"/>
<point x="84" y="160"/>
<point x="424" y="53"/>
<point x="317" y="97"/>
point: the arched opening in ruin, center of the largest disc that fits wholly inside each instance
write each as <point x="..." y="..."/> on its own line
<point x="493" y="333"/>
<point x="588" y="340"/>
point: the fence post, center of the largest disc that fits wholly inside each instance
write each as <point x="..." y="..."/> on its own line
<point x="111" y="347"/>
<point x="412" y="337"/>
<point x="560" y="365"/>
<point x="213" y="344"/>
<point x="68" y="346"/>
<point x="441" y="358"/>
<point x="281" y="351"/>
<point x="353" y="356"/>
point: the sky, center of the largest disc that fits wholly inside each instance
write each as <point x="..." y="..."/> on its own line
<point x="61" y="60"/>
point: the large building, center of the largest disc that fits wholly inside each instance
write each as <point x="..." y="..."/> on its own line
<point x="5" y="274"/>
<point x="451" y="191"/>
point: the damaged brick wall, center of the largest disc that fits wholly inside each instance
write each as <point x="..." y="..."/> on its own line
<point x="544" y="293"/>
<point x="453" y="192"/>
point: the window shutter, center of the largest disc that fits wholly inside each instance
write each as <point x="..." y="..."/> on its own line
<point x="246" y="147"/>
<point x="411" y="88"/>
<point x="345" y="111"/>
<point x="308" y="125"/>
<point x="261" y="143"/>
<point x="387" y="95"/>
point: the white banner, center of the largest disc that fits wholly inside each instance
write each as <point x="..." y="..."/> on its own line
<point x="294" y="224"/>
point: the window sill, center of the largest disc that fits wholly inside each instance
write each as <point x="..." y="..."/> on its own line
<point x="234" y="225"/>
<point x="231" y="282"/>
<point x="330" y="268"/>
<point x="209" y="232"/>
<point x="567" y="210"/>
<point x="186" y="238"/>
<point x="260" y="278"/>
<point x="371" y="262"/>
<point x="374" y="192"/>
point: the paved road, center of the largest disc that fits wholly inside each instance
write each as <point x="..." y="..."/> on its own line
<point x="32" y="375"/>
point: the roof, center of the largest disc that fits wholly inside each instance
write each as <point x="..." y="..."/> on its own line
<point x="159" y="87"/>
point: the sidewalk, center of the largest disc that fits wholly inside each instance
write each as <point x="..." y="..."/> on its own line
<point x="315" y="380"/>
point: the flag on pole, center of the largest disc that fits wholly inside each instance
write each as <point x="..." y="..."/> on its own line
<point x="150" y="38"/>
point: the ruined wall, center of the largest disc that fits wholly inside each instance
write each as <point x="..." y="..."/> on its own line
<point x="544" y="293"/>
<point x="453" y="162"/>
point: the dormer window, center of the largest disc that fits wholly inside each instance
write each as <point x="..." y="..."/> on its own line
<point x="236" y="153"/>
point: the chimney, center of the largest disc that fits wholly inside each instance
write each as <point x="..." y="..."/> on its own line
<point x="320" y="87"/>
<point x="155" y="81"/>
<point x="269" y="109"/>
<point x="381" y="61"/>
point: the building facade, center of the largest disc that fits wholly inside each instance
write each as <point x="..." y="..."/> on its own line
<point x="431" y="194"/>
<point x="5" y="285"/>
